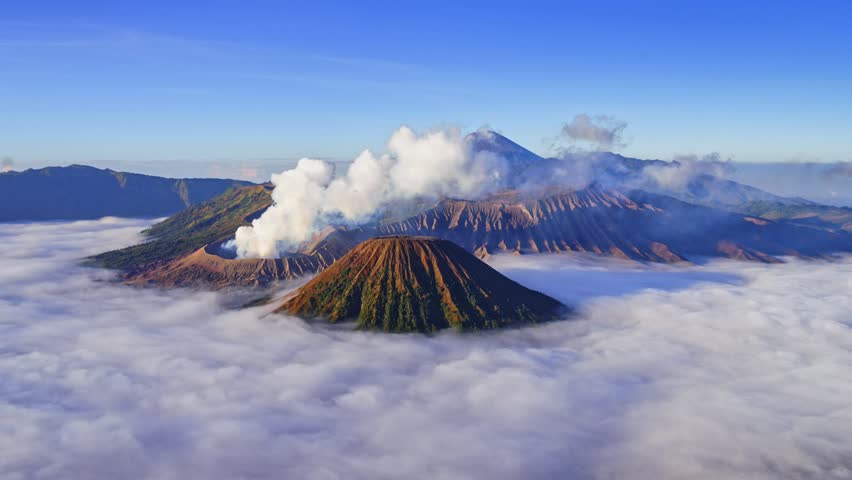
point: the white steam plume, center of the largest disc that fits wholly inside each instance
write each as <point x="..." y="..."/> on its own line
<point x="434" y="164"/>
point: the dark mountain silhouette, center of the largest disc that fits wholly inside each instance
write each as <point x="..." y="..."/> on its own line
<point x="418" y="284"/>
<point x="80" y="192"/>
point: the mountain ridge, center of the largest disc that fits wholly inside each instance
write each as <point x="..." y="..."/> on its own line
<point x="79" y="192"/>
<point x="637" y="225"/>
<point x="606" y="215"/>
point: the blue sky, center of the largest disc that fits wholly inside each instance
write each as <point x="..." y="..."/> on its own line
<point x="228" y="80"/>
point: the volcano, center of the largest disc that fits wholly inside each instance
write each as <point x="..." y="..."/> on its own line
<point x="418" y="284"/>
<point x="597" y="203"/>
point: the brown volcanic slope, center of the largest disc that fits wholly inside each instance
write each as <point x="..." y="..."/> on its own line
<point x="206" y="268"/>
<point x="422" y="284"/>
<point x="635" y="225"/>
<point x="587" y="220"/>
<point x="209" y="267"/>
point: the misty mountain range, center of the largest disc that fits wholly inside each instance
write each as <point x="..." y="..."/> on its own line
<point x="79" y="192"/>
<point x="599" y="202"/>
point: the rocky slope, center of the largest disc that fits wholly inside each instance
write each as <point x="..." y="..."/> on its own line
<point x="635" y="225"/>
<point x="588" y="220"/>
<point x="638" y="226"/>
<point x="418" y="284"/>
<point x="207" y="267"/>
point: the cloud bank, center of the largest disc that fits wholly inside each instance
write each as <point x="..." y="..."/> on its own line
<point x="429" y="165"/>
<point x="729" y="370"/>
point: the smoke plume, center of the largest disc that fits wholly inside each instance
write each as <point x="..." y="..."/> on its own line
<point x="7" y="164"/>
<point x="429" y="165"/>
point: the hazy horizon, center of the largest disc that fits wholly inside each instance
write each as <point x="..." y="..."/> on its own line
<point x="829" y="183"/>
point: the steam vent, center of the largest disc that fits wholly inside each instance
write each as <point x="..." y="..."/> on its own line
<point x="418" y="284"/>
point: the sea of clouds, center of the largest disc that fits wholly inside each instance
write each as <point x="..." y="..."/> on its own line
<point x="725" y="370"/>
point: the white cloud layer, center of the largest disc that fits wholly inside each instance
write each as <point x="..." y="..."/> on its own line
<point x="728" y="370"/>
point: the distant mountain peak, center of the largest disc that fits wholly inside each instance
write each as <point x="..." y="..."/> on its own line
<point x="491" y="141"/>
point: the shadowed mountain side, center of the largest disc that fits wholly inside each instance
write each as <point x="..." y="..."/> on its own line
<point x="697" y="230"/>
<point x="79" y="192"/>
<point x="418" y="284"/>
<point x="638" y="225"/>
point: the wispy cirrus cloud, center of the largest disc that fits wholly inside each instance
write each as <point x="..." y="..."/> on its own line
<point x="25" y="42"/>
<point x="75" y="34"/>
<point x="99" y="38"/>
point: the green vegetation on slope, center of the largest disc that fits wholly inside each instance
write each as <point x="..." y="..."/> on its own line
<point x="212" y="221"/>
<point x="418" y="284"/>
